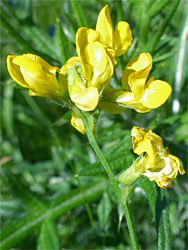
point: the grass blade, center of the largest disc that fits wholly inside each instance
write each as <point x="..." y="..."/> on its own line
<point x="48" y="238"/>
<point x="160" y="32"/>
<point x="62" y="42"/>
<point x="22" y="42"/>
<point x="14" y="233"/>
<point x="79" y="13"/>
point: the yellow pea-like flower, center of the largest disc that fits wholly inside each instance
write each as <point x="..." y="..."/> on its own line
<point x="85" y="97"/>
<point x="117" y="41"/>
<point x="96" y="64"/>
<point x="155" y="161"/>
<point x="32" y="72"/>
<point x="139" y="94"/>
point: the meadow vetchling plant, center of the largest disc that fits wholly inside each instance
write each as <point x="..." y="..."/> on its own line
<point x="82" y="85"/>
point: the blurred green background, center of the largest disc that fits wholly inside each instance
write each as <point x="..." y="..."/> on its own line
<point x="54" y="193"/>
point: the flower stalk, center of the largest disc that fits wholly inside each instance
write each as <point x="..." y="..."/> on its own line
<point x="87" y="119"/>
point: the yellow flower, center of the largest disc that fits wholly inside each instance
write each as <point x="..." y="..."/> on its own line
<point x="77" y="123"/>
<point x="117" y="41"/>
<point x="138" y="94"/>
<point x="155" y="162"/>
<point x="97" y="67"/>
<point x="32" y="72"/>
<point x="94" y="70"/>
<point x="96" y="55"/>
<point x="85" y="98"/>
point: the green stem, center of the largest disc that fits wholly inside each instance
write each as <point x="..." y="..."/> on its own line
<point x="89" y="125"/>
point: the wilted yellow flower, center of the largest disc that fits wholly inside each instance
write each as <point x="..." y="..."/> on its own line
<point x="32" y="72"/>
<point x="116" y="41"/>
<point x="156" y="163"/>
<point x="77" y="123"/>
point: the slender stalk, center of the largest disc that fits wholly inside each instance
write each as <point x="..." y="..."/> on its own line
<point x="88" y="123"/>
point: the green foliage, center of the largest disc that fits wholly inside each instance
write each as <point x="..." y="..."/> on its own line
<point x="54" y="191"/>
<point x="104" y="208"/>
<point x="48" y="238"/>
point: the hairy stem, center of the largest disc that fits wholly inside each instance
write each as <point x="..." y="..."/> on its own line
<point x="89" y="125"/>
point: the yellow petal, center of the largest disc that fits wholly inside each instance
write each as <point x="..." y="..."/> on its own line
<point x="29" y="65"/>
<point x="83" y="37"/>
<point x="144" y="141"/>
<point x="32" y="93"/>
<point x="77" y="123"/>
<point x="136" y="72"/>
<point x="156" y="93"/>
<point x="95" y="55"/>
<point x="179" y="167"/>
<point x="128" y="100"/>
<point x="104" y="26"/>
<point x="97" y="66"/>
<point x="15" y="73"/>
<point x="37" y="74"/>
<point x="42" y="62"/>
<point x="111" y="107"/>
<point x="34" y="64"/>
<point x="122" y="38"/>
<point x="85" y="99"/>
<point x="71" y="63"/>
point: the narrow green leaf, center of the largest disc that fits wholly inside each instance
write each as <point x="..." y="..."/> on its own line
<point x="48" y="238"/>
<point x="7" y="110"/>
<point x="42" y="41"/>
<point x="62" y="42"/>
<point x="161" y="30"/>
<point x="14" y="233"/>
<point x="120" y="10"/>
<point x="150" y="190"/>
<point x="112" y="136"/>
<point x="21" y="190"/>
<point x="158" y="204"/>
<point x="8" y="10"/>
<point x="157" y="7"/>
<point x="42" y="118"/>
<point x="103" y="211"/>
<point x="70" y="23"/>
<point x="162" y="222"/>
<point x="116" y="164"/>
<point x="22" y="42"/>
<point x="79" y="13"/>
<point x="167" y="228"/>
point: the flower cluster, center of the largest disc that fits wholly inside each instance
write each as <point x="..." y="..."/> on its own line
<point x="155" y="161"/>
<point x="83" y="80"/>
<point x="83" y="84"/>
